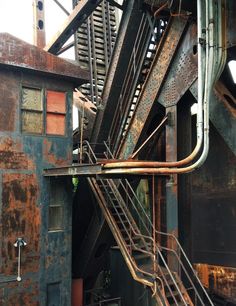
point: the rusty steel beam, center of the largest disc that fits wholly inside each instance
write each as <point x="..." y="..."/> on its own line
<point x="80" y="13"/>
<point x="172" y="183"/>
<point x="18" y="54"/>
<point x="122" y="52"/>
<point x="39" y="24"/>
<point x="162" y="61"/>
<point x="74" y="170"/>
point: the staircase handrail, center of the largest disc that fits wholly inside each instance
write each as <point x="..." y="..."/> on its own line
<point x="169" y="235"/>
<point x="159" y="233"/>
<point x="131" y="240"/>
<point x="141" y="250"/>
<point x="136" y="268"/>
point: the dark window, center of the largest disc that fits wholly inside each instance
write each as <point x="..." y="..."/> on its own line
<point x="53" y="294"/>
<point x="56" y="206"/>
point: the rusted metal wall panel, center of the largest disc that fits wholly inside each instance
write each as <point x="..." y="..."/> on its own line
<point x="213" y="205"/>
<point x="153" y="84"/>
<point x="183" y="70"/>
<point x="9" y="91"/>
<point x="25" y="198"/>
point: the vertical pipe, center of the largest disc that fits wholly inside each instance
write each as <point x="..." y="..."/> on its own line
<point x="39" y="37"/>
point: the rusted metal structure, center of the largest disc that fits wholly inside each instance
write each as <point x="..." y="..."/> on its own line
<point x="155" y="181"/>
<point x="39" y="24"/>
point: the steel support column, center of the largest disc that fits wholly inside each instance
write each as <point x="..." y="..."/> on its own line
<point x="117" y="70"/>
<point x="39" y="38"/>
<point x="172" y="183"/>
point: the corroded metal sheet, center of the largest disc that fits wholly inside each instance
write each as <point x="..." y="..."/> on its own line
<point x="11" y="295"/>
<point x="24" y="194"/>
<point x="56" y="153"/>
<point x="183" y="71"/>
<point x="21" y="217"/>
<point x="153" y="84"/>
<point x="9" y="95"/>
<point x="19" y="54"/>
<point x="11" y="155"/>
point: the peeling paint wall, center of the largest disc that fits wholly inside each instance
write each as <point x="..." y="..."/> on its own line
<point x="25" y="197"/>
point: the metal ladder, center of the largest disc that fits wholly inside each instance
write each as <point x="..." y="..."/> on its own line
<point x="146" y="259"/>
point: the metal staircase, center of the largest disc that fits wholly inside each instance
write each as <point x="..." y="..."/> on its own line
<point x="147" y="258"/>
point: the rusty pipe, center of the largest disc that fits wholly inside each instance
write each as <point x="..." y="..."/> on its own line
<point x="160" y="9"/>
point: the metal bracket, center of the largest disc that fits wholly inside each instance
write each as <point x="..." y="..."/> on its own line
<point x="20" y="242"/>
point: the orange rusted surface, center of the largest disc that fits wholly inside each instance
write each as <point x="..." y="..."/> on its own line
<point x="50" y="154"/>
<point x="26" y="297"/>
<point x="56" y="101"/>
<point x="9" y="94"/>
<point x="55" y="124"/>
<point x="21" y="218"/>
<point x="12" y="155"/>
<point x="17" y="53"/>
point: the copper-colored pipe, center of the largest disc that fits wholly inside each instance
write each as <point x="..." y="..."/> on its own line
<point x="160" y="9"/>
<point x="149" y="164"/>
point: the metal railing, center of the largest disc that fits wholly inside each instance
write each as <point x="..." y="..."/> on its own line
<point x="151" y="248"/>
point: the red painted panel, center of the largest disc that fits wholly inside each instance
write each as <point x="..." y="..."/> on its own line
<point x="55" y="124"/>
<point x="56" y="101"/>
<point x="77" y="292"/>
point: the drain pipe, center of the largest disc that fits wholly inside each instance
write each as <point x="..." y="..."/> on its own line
<point x="151" y="167"/>
<point x="19" y="244"/>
